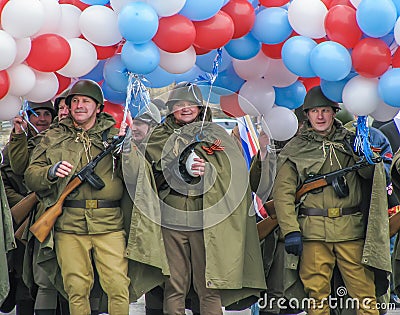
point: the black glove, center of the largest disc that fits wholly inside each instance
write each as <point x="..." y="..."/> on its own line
<point x="293" y="243"/>
<point x="53" y="170"/>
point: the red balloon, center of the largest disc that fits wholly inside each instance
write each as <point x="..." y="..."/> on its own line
<point x="115" y="110"/>
<point x="4" y="83"/>
<point x="49" y="53"/>
<point x="2" y="4"/>
<point x="104" y="52"/>
<point x="242" y="14"/>
<point x="230" y="105"/>
<point x="76" y="3"/>
<point x="63" y="82"/>
<point x="396" y="59"/>
<point x="273" y="3"/>
<point x="341" y="25"/>
<point x="327" y="3"/>
<point x="201" y="51"/>
<point x="341" y="2"/>
<point x="214" y="32"/>
<point x="273" y="51"/>
<point x="371" y="57"/>
<point x="310" y="82"/>
<point x="175" y="33"/>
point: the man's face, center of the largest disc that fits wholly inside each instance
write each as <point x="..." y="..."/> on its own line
<point x="321" y="119"/>
<point x="139" y="130"/>
<point x="185" y="112"/>
<point x="43" y="119"/>
<point x="63" y="110"/>
<point x="84" y="110"/>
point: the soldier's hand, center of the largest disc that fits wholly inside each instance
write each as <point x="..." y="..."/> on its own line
<point x="19" y="124"/>
<point x="198" y="166"/>
<point x="60" y="169"/>
<point x="294" y="243"/>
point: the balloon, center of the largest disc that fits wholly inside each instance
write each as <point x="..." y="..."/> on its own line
<point x="115" y="110"/>
<point x="23" y="48"/>
<point x="278" y="75"/>
<point x="201" y="51"/>
<point x="208" y="93"/>
<point x="113" y="96"/>
<point x="310" y="82"/>
<point x="96" y="2"/>
<point x="360" y="95"/>
<point x="334" y="89"/>
<point x="22" y="79"/>
<point x="4" y="82"/>
<point x="228" y="81"/>
<point x="22" y="18"/>
<point x="10" y="106"/>
<point x="296" y="55"/>
<point x="396" y="31"/>
<point x="214" y="32"/>
<point x="76" y="3"/>
<point x="281" y="123"/>
<point x="45" y="88"/>
<point x="389" y="86"/>
<point x="140" y="58"/>
<point x="159" y="78"/>
<point x="99" y="25"/>
<point x="175" y="33"/>
<point x="253" y="68"/>
<point x="243" y="48"/>
<point x="273" y="3"/>
<point x="116" y="74"/>
<point x="105" y="52"/>
<point x="201" y="10"/>
<point x="138" y="13"/>
<point x="376" y="18"/>
<point x="273" y="51"/>
<point x="291" y="96"/>
<point x="341" y="26"/>
<point x="63" y="82"/>
<point x="69" y="23"/>
<point x="52" y="17"/>
<point x="307" y="17"/>
<point x="242" y="14"/>
<point x="272" y="26"/>
<point x="96" y="74"/>
<point x="188" y="76"/>
<point x="256" y="94"/>
<point x="83" y="58"/>
<point x="8" y="50"/>
<point x="355" y="3"/>
<point x="330" y="61"/>
<point x="166" y="8"/>
<point x="371" y="57"/>
<point x="178" y="62"/>
<point x="206" y="61"/>
<point x="230" y="105"/>
<point x="396" y="59"/>
<point x="384" y="112"/>
<point x="49" y="53"/>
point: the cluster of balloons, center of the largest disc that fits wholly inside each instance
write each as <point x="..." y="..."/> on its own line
<point x="273" y="51"/>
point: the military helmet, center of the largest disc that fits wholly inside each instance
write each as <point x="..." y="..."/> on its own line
<point x="87" y="88"/>
<point x="149" y="114"/>
<point x="44" y="105"/>
<point x="58" y="99"/>
<point x="185" y="91"/>
<point x="315" y="98"/>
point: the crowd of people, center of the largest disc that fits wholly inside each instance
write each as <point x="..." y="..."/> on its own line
<point x="164" y="208"/>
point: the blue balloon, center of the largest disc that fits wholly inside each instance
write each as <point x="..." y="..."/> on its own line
<point x="388" y="38"/>
<point x="196" y="10"/>
<point x="228" y="81"/>
<point x="113" y="96"/>
<point x="138" y="22"/>
<point x="389" y="86"/>
<point x="159" y="78"/>
<point x="140" y="58"/>
<point x="209" y="94"/>
<point x="189" y="76"/>
<point x="376" y="18"/>
<point x="272" y="26"/>
<point x="334" y="89"/>
<point x="116" y="74"/>
<point x="206" y="61"/>
<point x="243" y="48"/>
<point x="97" y="72"/>
<point x="330" y="61"/>
<point x="397" y="5"/>
<point x="296" y="55"/>
<point x="291" y="96"/>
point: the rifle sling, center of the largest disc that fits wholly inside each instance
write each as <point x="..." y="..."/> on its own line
<point x="329" y="212"/>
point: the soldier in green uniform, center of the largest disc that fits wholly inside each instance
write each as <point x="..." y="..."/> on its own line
<point x="333" y="225"/>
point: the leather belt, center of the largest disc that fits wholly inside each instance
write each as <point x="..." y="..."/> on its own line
<point x="329" y="212"/>
<point x="91" y="203"/>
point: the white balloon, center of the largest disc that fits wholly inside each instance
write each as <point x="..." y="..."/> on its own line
<point x="8" y="50"/>
<point x="45" y="88"/>
<point x="355" y="3"/>
<point x="69" y="24"/>
<point x="384" y="112"/>
<point x="396" y="31"/>
<point x="52" y="10"/>
<point x="189" y="162"/>
<point x="252" y="68"/>
<point x="167" y="8"/>
<point x="22" y="79"/>
<point x="99" y="25"/>
<point x="23" y="48"/>
<point x="259" y="93"/>
<point x="307" y="17"/>
<point x="83" y="59"/>
<point x="180" y="62"/>
<point x="22" y="18"/>
<point x="281" y="122"/>
<point x="278" y="75"/>
<point x="10" y="106"/>
<point x="360" y="95"/>
<point x="118" y="5"/>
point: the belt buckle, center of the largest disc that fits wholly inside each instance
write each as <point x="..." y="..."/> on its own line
<point x="91" y="204"/>
<point x="334" y="212"/>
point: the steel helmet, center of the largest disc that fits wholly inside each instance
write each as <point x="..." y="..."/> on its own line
<point x="315" y="98"/>
<point x="185" y="91"/>
<point x="58" y="99"/>
<point x="44" y="105"/>
<point x="149" y="114"/>
<point x="87" y="88"/>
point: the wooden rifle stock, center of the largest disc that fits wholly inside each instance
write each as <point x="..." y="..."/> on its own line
<point x="21" y="229"/>
<point x="43" y="225"/>
<point x="22" y="208"/>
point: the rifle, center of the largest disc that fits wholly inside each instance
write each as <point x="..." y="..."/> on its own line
<point x="22" y="208"/>
<point x="20" y="231"/>
<point x="43" y="225"/>
<point x="264" y="227"/>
